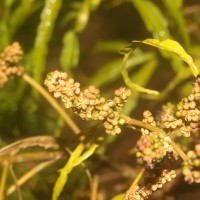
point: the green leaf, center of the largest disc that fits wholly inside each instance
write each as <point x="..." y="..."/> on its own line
<point x="82" y="17"/>
<point x="175" y="47"/>
<point x="177" y="14"/>
<point x="62" y="179"/>
<point x="153" y="18"/>
<point x="118" y="197"/>
<point x="44" y="33"/>
<point x="75" y="159"/>
<point x="111" y="71"/>
<point x="23" y="11"/>
<point x="108" y="46"/>
<point x="169" y="45"/>
<point x="70" y="52"/>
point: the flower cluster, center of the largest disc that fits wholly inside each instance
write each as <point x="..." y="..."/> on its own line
<point x="89" y="104"/>
<point x="153" y="183"/>
<point x="9" y="59"/>
<point x="153" y="148"/>
<point x="191" y="168"/>
<point x="189" y="110"/>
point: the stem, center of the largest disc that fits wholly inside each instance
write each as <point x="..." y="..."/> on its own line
<point x="28" y="175"/>
<point x="94" y="187"/>
<point x="16" y="184"/>
<point x="138" y="178"/>
<point x="3" y="179"/>
<point x="53" y="103"/>
<point x="141" y="124"/>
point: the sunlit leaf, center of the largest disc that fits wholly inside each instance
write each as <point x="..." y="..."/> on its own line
<point x="169" y="45"/>
<point x="175" y="47"/>
<point x="64" y="172"/>
<point x="75" y="159"/>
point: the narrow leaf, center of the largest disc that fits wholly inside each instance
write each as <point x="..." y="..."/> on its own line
<point x="64" y="172"/>
<point x="44" y="33"/>
<point x="70" y="52"/>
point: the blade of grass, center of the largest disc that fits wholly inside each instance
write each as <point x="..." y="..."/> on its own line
<point x="44" y="33"/>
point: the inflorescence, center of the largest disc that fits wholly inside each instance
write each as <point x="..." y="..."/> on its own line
<point x="154" y="149"/>
<point x="9" y="60"/>
<point x="89" y="104"/>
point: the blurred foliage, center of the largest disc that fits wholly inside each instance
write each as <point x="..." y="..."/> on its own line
<point x="83" y="37"/>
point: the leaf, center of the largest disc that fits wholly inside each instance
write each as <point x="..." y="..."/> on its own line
<point x="44" y="33"/>
<point x="75" y="159"/>
<point x="70" y="52"/>
<point x="175" y="47"/>
<point x="175" y="10"/>
<point x="62" y="179"/>
<point x="23" y="11"/>
<point x="153" y="18"/>
<point x="108" y="46"/>
<point x="157" y="24"/>
<point x="111" y="71"/>
<point x="118" y="197"/>
<point x="169" y="45"/>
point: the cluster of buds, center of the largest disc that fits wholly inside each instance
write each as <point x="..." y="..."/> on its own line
<point x="189" y="110"/>
<point x="191" y="168"/>
<point x="169" y="121"/>
<point x="9" y="59"/>
<point x="153" y="183"/>
<point x="89" y="104"/>
<point x="153" y="148"/>
<point x="148" y="118"/>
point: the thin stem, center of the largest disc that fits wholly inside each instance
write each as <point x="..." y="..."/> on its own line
<point x="53" y="103"/>
<point x="16" y="183"/>
<point x="138" y="178"/>
<point x="94" y="188"/>
<point x="28" y="176"/>
<point x="3" y="179"/>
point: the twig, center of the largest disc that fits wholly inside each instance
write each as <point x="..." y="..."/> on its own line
<point x="94" y="187"/>
<point x="32" y="156"/>
<point x="138" y="178"/>
<point x="15" y="181"/>
<point x="28" y="175"/>
<point x="42" y="141"/>
<point x="3" y="179"/>
<point x="53" y="102"/>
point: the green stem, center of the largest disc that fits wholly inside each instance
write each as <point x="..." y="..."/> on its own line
<point x="29" y="175"/>
<point x="53" y="103"/>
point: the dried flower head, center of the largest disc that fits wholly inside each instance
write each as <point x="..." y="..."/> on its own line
<point x="9" y="59"/>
